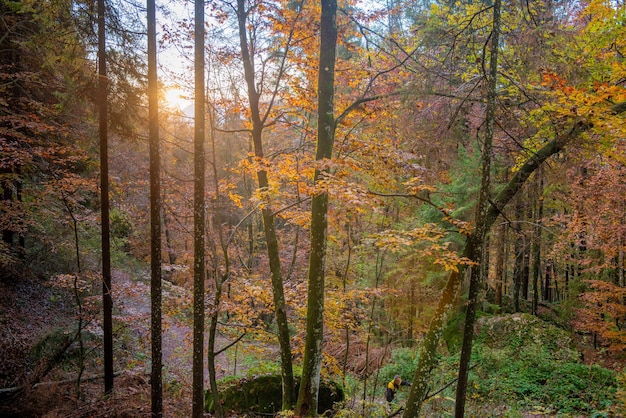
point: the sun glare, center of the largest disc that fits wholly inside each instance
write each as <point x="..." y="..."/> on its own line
<point x="175" y="98"/>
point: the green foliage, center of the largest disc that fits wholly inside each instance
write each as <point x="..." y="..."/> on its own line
<point x="526" y="363"/>
<point x="403" y="362"/>
<point x="535" y="377"/>
<point x="460" y="192"/>
<point x="519" y="364"/>
<point x="259" y="367"/>
<point x="453" y="332"/>
<point x="518" y="331"/>
<point x="121" y="224"/>
<point x="53" y="247"/>
<point x="621" y="391"/>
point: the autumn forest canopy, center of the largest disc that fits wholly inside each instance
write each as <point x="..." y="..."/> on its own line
<point x="272" y="207"/>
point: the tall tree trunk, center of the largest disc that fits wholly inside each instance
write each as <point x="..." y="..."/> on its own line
<point x="428" y="352"/>
<point x="500" y="244"/>
<point x="528" y="239"/>
<point x="107" y="300"/>
<point x="312" y="363"/>
<point x="518" y="267"/>
<point x="537" y="244"/>
<point x="198" y="215"/>
<point x="271" y="238"/>
<point x="547" y="284"/>
<point x="156" y="380"/>
<point x="481" y="228"/>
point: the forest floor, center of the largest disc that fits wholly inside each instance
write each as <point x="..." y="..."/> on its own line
<point x="36" y="319"/>
<point x="33" y="317"/>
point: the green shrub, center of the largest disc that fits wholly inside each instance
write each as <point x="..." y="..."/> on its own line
<point x="403" y="362"/>
<point x="529" y="364"/>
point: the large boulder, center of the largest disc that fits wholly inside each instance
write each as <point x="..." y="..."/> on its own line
<point x="263" y="395"/>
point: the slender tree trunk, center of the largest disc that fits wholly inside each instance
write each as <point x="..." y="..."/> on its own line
<point x="345" y="289"/>
<point x="214" y="315"/>
<point x="528" y="239"/>
<point x="372" y="323"/>
<point x="481" y="229"/>
<point x="486" y="262"/>
<point x="77" y="296"/>
<point x="156" y="379"/>
<point x="271" y="238"/>
<point x="547" y="284"/>
<point x="428" y="353"/>
<point x="312" y="363"/>
<point x="518" y="268"/>
<point x="537" y="245"/>
<point x="198" y="215"/>
<point x="412" y="312"/>
<point x="500" y="243"/>
<point x="107" y="300"/>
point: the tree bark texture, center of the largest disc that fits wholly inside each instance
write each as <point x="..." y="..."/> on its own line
<point x="311" y="366"/>
<point x="518" y="267"/>
<point x="198" y="215"/>
<point x="155" y="217"/>
<point x="479" y="237"/>
<point x="500" y="244"/>
<point x="537" y="243"/>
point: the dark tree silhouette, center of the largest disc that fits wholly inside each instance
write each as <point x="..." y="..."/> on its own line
<point x="155" y="216"/>
<point x="198" y="215"/>
<point x="107" y="300"/>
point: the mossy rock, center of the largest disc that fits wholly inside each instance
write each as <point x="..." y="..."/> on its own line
<point x="520" y="332"/>
<point x="263" y="395"/>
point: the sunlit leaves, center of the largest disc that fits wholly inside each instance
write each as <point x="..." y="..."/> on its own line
<point x="427" y="241"/>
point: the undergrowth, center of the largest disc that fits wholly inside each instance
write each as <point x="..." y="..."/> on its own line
<point x="520" y="364"/>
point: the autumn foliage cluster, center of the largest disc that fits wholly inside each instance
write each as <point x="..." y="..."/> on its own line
<point x="410" y="120"/>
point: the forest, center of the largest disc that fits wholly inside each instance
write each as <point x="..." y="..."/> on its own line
<point x="246" y="208"/>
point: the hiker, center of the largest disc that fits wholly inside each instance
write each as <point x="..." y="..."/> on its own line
<point x="393" y="386"/>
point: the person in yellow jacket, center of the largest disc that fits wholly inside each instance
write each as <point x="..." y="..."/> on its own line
<point x="393" y="386"/>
